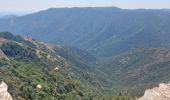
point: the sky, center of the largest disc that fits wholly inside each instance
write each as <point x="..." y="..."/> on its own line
<point x="36" y="5"/>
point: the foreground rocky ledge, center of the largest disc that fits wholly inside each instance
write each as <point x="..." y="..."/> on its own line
<point x="158" y="93"/>
<point x="4" y="95"/>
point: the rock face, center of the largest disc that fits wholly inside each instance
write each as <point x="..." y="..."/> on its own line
<point x="158" y="93"/>
<point x="2" y="55"/>
<point x="4" y="95"/>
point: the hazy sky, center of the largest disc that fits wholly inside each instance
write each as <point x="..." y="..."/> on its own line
<point x="35" y="5"/>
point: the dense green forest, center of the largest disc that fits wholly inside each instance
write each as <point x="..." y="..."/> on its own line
<point x="63" y="72"/>
<point x="23" y="69"/>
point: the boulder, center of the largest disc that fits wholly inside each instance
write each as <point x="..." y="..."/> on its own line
<point x="39" y="86"/>
<point x="158" y="93"/>
<point x="4" y="95"/>
<point x="2" y="55"/>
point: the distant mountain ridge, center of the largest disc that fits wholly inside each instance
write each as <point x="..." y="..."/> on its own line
<point x="103" y="31"/>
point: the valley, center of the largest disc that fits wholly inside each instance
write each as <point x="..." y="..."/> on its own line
<point x="86" y="53"/>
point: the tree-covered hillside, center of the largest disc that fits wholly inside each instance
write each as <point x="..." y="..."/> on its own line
<point x="137" y="70"/>
<point x="26" y="63"/>
<point x="37" y="71"/>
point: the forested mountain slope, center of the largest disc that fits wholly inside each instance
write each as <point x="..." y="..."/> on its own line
<point x="26" y="63"/>
<point x="138" y="69"/>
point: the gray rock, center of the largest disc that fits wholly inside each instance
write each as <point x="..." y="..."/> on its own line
<point x="4" y="95"/>
<point x="2" y="55"/>
<point x="158" y="93"/>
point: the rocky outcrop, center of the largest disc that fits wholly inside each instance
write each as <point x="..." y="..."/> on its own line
<point x="2" y="55"/>
<point x="158" y="93"/>
<point x="4" y="95"/>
